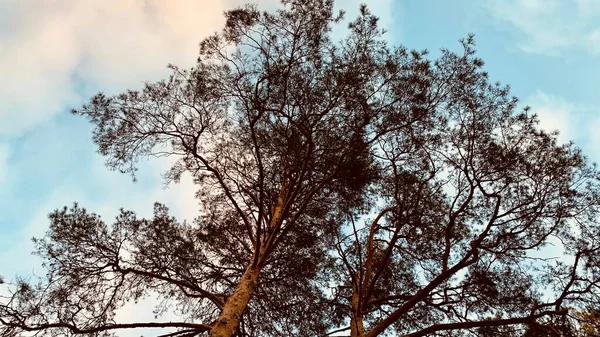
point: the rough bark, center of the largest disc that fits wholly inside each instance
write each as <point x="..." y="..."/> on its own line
<point x="356" y="320"/>
<point x="229" y="319"/>
<point x="227" y="323"/>
<point x="362" y="283"/>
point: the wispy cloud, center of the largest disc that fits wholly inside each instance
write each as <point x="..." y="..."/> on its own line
<point x="550" y="26"/>
<point x="49" y="50"/>
<point x="557" y="114"/>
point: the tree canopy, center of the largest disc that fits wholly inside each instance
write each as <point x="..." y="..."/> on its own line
<point x="347" y="188"/>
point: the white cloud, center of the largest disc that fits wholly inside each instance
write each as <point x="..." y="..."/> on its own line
<point x="51" y="47"/>
<point x="555" y="113"/>
<point x="49" y="50"/>
<point x="550" y="26"/>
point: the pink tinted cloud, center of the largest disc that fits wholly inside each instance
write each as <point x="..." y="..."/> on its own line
<point x="49" y="49"/>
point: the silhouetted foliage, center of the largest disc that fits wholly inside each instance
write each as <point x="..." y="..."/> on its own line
<point x="344" y="186"/>
<point x="464" y="205"/>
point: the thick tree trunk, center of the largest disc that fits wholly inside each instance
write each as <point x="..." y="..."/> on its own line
<point x="357" y="328"/>
<point x="229" y="319"/>
<point x="227" y="323"/>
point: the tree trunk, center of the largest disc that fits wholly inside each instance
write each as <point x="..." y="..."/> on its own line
<point x="227" y="323"/>
<point x="357" y="328"/>
<point x="229" y="319"/>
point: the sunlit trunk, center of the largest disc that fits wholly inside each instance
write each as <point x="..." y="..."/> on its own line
<point x="356" y="319"/>
<point x="229" y="319"/>
<point x="227" y="323"/>
<point x="356" y="326"/>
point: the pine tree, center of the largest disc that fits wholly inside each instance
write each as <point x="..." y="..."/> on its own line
<point x="345" y="186"/>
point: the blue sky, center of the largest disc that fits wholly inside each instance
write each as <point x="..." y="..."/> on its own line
<point x="547" y="50"/>
<point x="55" y="54"/>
